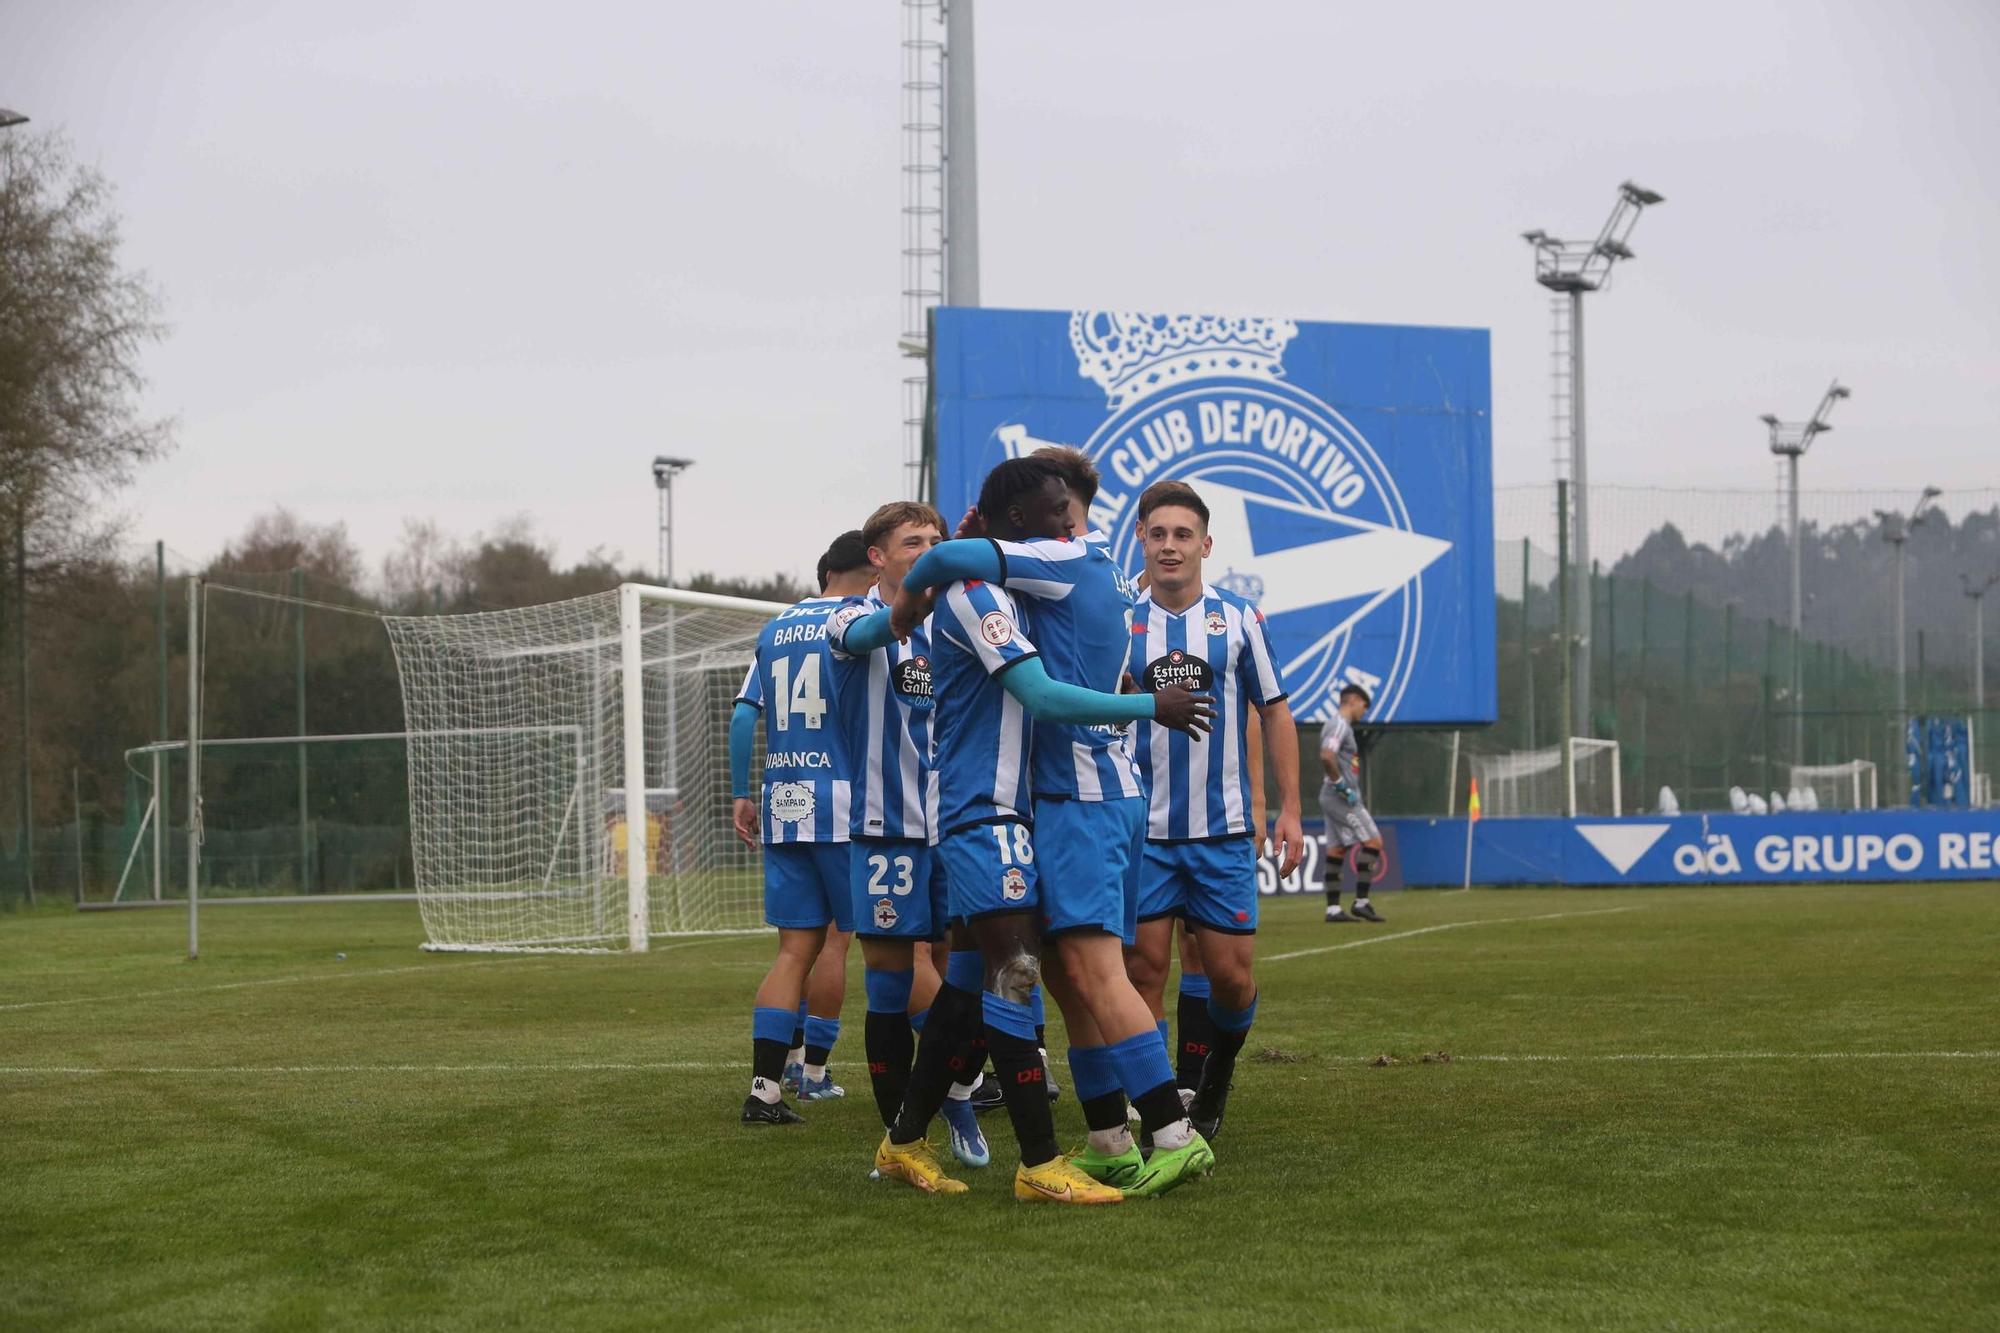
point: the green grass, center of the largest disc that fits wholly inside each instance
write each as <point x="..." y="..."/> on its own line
<point x="447" y="1141"/>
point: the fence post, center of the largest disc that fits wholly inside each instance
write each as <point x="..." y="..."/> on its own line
<point x="1687" y="693"/>
<point x="1728" y="691"/>
<point x="1568" y="713"/>
<point x="1645" y="615"/>
<point x="1527" y="656"/>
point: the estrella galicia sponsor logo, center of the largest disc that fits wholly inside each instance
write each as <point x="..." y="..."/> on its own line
<point x="1309" y="526"/>
<point x="1187" y="670"/>
<point x="912" y="678"/>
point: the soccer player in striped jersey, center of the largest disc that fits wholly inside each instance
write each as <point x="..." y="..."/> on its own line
<point x="802" y="819"/>
<point x="1088" y="822"/>
<point x="1200" y="861"/>
<point x="882" y="697"/>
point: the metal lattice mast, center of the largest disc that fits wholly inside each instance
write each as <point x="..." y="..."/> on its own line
<point x="1789" y="441"/>
<point x="923" y="111"/>
<point x="1573" y="268"/>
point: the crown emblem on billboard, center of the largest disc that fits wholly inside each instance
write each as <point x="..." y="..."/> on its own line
<point x="1134" y="355"/>
<point x="1245" y="585"/>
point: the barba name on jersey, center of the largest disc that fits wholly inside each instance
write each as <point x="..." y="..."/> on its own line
<point x="806" y="785"/>
<point x="1199" y="786"/>
<point x="882" y="699"/>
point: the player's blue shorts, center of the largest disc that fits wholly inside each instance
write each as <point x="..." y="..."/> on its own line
<point x="1212" y="882"/>
<point x="989" y="868"/>
<point x="1090" y="864"/>
<point x="898" y="890"/>
<point x="805" y="885"/>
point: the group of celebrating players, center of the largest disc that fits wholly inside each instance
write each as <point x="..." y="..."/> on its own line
<point x="1005" y="768"/>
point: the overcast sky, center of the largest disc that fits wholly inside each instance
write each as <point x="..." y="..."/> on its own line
<point x="462" y="261"/>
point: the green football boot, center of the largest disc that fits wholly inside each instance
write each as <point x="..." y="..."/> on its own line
<point x="1166" y="1169"/>
<point x="1121" y="1170"/>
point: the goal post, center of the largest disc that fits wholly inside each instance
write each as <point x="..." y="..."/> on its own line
<point x="1853" y="785"/>
<point x="1523" y="783"/>
<point x="628" y="833"/>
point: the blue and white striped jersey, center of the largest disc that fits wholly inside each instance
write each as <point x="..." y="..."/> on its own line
<point x="1199" y="786"/>
<point x="883" y="702"/>
<point x="1080" y="612"/>
<point x="980" y="734"/>
<point x="805" y="765"/>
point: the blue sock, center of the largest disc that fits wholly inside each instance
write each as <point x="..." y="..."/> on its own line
<point x="1091" y="1070"/>
<point x="1165" y="1040"/>
<point x="821" y="1034"/>
<point x="1236" y="1022"/>
<point x="917" y="1021"/>
<point x="1010" y="1017"/>
<point x="769" y="1024"/>
<point x="1195" y="985"/>
<point x="1035" y="1004"/>
<point x="888" y="992"/>
<point x="964" y="970"/>
<point x="1141" y="1063"/>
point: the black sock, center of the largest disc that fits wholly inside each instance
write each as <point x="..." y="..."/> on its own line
<point x="970" y="1061"/>
<point x="953" y="1019"/>
<point x="798" y="1039"/>
<point x="1041" y="1036"/>
<point x="1105" y="1112"/>
<point x="890" y="1045"/>
<point x="1019" y="1065"/>
<point x="1221" y="1064"/>
<point x="816" y="1055"/>
<point x="1197" y="1036"/>
<point x="1160" y="1107"/>
<point x="767" y="1060"/>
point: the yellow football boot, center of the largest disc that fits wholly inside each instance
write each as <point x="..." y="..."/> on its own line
<point x="916" y="1163"/>
<point x="1060" y="1180"/>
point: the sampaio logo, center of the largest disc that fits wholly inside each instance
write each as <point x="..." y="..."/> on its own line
<point x="791" y="802"/>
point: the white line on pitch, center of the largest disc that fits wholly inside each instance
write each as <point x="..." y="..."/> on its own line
<point x="667" y="1066"/>
<point x="1669" y="1057"/>
<point x="338" y="974"/>
<point x="623" y="1068"/>
<point x="1449" y="925"/>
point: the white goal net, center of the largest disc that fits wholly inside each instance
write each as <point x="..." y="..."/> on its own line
<point x="1535" y="782"/>
<point x="569" y="770"/>
<point x="1848" y="786"/>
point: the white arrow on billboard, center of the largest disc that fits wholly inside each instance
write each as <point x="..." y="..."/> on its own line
<point x="1362" y="559"/>
<point x="1358" y="558"/>
<point x="1622" y="844"/>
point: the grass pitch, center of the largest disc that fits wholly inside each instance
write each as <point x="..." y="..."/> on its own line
<point x="1740" y="1108"/>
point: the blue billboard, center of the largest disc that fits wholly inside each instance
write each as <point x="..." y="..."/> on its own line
<point x="1347" y="469"/>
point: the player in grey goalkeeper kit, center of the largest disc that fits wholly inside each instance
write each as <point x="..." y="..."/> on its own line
<point x="1350" y="829"/>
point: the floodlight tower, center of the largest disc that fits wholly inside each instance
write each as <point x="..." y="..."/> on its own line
<point x="664" y="471"/>
<point x="1576" y="267"/>
<point x="1896" y="531"/>
<point x="1790" y="440"/>
<point x="1976" y="590"/>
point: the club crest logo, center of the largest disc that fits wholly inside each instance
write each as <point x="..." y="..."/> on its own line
<point x="791" y="802"/>
<point x="885" y="914"/>
<point x="1216" y="624"/>
<point x="1309" y="526"/>
<point x="1013" y="885"/>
